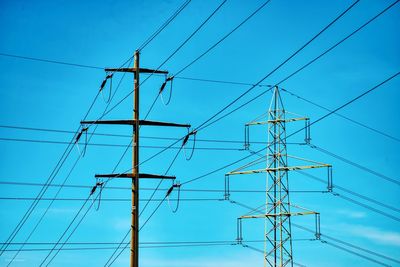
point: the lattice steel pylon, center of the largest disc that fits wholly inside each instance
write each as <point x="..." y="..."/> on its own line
<point x="278" y="208"/>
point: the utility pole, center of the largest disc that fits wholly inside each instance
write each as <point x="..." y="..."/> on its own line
<point x="135" y="175"/>
<point x="278" y="249"/>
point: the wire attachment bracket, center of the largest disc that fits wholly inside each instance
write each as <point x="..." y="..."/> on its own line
<point x="167" y="79"/>
<point x="78" y="137"/>
<point x="184" y="142"/>
<point x="103" y="84"/>
<point x="178" y="186"/>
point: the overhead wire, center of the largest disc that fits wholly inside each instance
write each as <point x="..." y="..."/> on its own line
<point x="51" y="178"/>
<point x="357" y="165"/>
<point x="207" y="122"/>
<point x="302" y="128"/>
<point x="223" y="38"/>
<point x="306" y="65"/>
<point x="164" y="25"/>
<point x="205" y="190"/>
<point x="180" y="47"/>
<point x="116" y="145"/>
<point x="370" y="252"/>
<point x="77" y="214"/>
<point x="318" y="120"/>
<point x="164" y="62"/>
<point x="129" y="136"/>
<point x="353" y="193"/>
<point x="340" y="42"/>
<point x="322" y="117"/>
<point x="51" y="61"/>
<point x="342" y="116"/>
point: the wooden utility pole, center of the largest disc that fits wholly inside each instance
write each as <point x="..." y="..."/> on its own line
<point x="135" y="168"/>
<point x="135" y="176"/>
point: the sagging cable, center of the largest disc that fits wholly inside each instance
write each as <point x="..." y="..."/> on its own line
<point x="178" y="186"/>
<point x="100" y="184"/>
<point x="78" y="137"/>
<point x="103" y="84"/>
<point x="185" y="140"/>
<point x="167" y="79"/>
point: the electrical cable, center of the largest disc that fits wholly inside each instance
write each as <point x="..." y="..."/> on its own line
<point x="224" y="37"/>
<point x="147" y="188"/>
<point x="261" y="251"/>
<point x="338" y="241"/>
<point x="164" y="25"/>
<point x="51" y="61"/>
<point x="352" y="163"/>
<point x="73" y="167"/>
<point x="116" y="145"/>
<point x="110" y="199"/>
<point x="279" y="66"/>
<point x="130" y="137"/>
<point x="342" y="116"/>
<point x="338" y="43"/>
<point x="309" y="63"/>
<point x="179" y="48"/>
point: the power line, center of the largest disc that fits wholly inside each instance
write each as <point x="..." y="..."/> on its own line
<point x="261" y="251"/>
<point x="338" y="43"/>
<point x="220" y="81"/>
<point x="114" y="145"/>
<point x="148" y="188"/>
<point x="223" y="38"/>
<point x="164" y="25"/>
<point x="344" y="117"/>
<point x="302" y="68"/>
<point x="352" y="163"/>
<point x="108" y="199"/>
<point x="355" y="194"/>
<point x="51" y="177"/>
<point x="76" y="216"/>
<point x="370" y="252"/>
<point x="129" y="136"/>
<point x="358" y="202"/>
<point x="354" y="253"/>
<point x="208" y="122"/>
<point x="358" y="97"/>
<point x="52" y="61"/>
<point x="179" y="48"/>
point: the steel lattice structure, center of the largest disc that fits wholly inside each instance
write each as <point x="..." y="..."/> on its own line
<point x="278" y="209"/>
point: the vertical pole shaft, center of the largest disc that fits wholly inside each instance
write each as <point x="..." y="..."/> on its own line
<point x="134" y="262"/>
<point x="276" y="173"/>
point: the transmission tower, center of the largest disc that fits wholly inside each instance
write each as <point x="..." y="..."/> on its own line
<point x="135" y="123"/>
<point x="277" y="210"/>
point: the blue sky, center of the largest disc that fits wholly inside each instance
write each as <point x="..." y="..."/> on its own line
<point x="106" y="33"/>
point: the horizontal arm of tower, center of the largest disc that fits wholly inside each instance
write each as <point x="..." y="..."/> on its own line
<point x="141" y="70"/>
<point x="278" y="215"/>
<point x="133" y="122"/>
<point x="132" y="175"/>
<point x="276" y="121"/>
<point x="290" y="168"/>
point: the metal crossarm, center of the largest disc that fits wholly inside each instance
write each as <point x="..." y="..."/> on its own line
<point x="132" y="175"/>
<point x="135" y="70"/>
<point x="276" y="121"/>
<point x="290" y="168"/>
<point x="133" y="122"/>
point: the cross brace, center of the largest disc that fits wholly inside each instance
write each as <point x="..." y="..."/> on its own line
<point x="133" y="175"/>
<point x="133" y="122"/>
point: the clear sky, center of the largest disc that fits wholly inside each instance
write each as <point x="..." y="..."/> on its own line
<point x="106" y="33"/>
